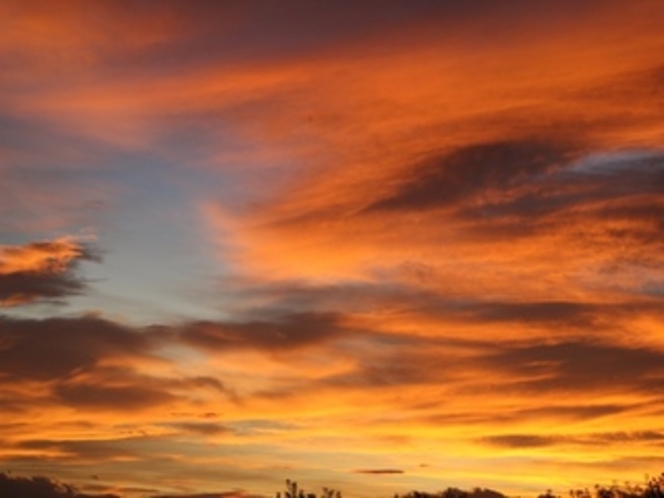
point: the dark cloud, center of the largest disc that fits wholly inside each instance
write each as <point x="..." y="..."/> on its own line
<point x="573" y="412"/>
<point x="51" y="277"/>
<point x="601" y="439"/>
<point x="126" y="389"/>
<point x="112" y="398"/>
<point x="573" y="366"/>
<point x="580" y="366"/>
<point x="472" y="170"/>
<point x="506" y="417"/>
<point x="287" y="332"/>
<point x="621" y="187"/>
<point x="520" y="441"/>
<point x="405" y="360"/>
<point x="379" y="471"/>
<point x="69" y="355"/>
<point x="521" y="187"/>
<point x="579" y="315"/>
<point x="55" y="348"/>
<point x="201" y="428"/>
<point x="22" y="288"/>
<point x="537" y="312"/>
<point x="404" y="298"/>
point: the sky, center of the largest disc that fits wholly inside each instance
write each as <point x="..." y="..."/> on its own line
<point x="377" y="246"/>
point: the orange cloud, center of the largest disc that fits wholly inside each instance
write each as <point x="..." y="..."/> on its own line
<point x="41" y="270"/>
<point x="379" y="144"/>
<point x="49" y="257"/>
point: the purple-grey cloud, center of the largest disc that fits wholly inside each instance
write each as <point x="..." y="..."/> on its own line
<point x="604" y="438"/>
<point x="450" y="178"/>
<point x="281" y="333"/>
<point x="97" y="396"/>
<point x="379" y="471"/>
<point x="579" y="366"/>
<point x="201" y="428"/>
<point x="55" y="348"/>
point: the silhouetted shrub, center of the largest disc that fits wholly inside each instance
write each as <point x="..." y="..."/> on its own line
<point x="455" y="493"/>
<point x="654" y="488"/>
<point x="39" y="487"/>
<point x="292" y="491"/>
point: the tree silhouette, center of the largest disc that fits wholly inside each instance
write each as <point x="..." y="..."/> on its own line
<point x="39" y="487"/>
<point x="293" y="491"/>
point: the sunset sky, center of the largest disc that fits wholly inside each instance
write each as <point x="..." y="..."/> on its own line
<point x="374" y="245"/>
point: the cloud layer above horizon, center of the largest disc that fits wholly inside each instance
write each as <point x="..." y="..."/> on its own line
<point x="380" y="246"/>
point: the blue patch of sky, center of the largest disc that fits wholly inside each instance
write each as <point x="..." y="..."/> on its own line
<point x="607" y="162"/>
<point x="158" y="261"/>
